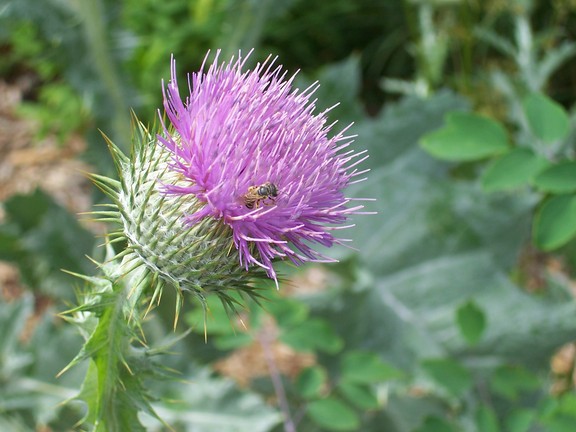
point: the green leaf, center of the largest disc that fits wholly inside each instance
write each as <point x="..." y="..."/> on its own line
<point x="560" y="423"/>
<point x="10" y="248"/>
<point x="466" y="137"/>
<point x="361" y="396"/>
<point x="558" y="179"/>
<point x="34" y="355"/>
<point x="510" y="381"/>
<point x="471" y="321"/>
<point x="340" y="87"/>
<point x="288" y="312"/>
<point x="515" y="169"/>
<point x="546" y="118"/>
<point x="311" y="335"/>
<point x="215" y="317"/>
<point x="366" y="368"/>
<point x="333" y="414"/>
<point x="555" y="222"/>
<point x="13" y="318"/>
<point x="520" y="420"/>
<point x="310" y="382"/>
<point x="232" y="341"/>
<point x="435" y="424"/>
<point x="567" y="404"/>
<point x="486" y="419"/>
<point x="45" y="239"/>
<point x="205" y="403"/>
<point x="449" y="374"/>
<point x="28" y="210"/>
<point x="114" y="389"/>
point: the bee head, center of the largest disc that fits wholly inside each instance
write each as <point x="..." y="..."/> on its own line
<point x="268" y="189"/>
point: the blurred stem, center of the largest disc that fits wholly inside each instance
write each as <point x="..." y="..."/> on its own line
<point x="265" y="339"/>
<point x="465" y="16"/>
<point x="432" y="47"/>
<point x="525" y="57"/>
<point x="93" y="18"/>
<point x="46" y="388"/>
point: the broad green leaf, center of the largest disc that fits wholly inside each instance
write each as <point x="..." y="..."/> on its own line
<point x="310" y="382"/>
<point x="340" y="87"/>
<point x="226" y="342"/>
<point x="313" y="334"/>
<point x="466" y="137"/>
<point x="560" y="423"/>
<point x="361" y="396"/>
<point x="514" y="169"/>
<point x="559" y="414"/>
<point x="435" y="424"/>
<point x="214" y="317"/>
<point x="568" y="404"/>
<point x="448" y="374"/>
<point x="546" y="118"/>
<point x="558" y="179"/>
<point x="555" y="222"/>
<point x="205" y="403"/>
<point x="394" y="133"/>
<point x="520" y="420"/>
<point x="333" y="415"/>
<point x="440" y="243"/>
<point x="287" y="311"/>
<point x="427" y="295"/>
<point x="511" y="381"/>
<point x="366" y="368"/>
<point x="486" y="419"/>
<point x="471" y="321"/>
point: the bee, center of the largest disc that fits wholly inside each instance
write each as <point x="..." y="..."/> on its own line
<point x="266" y="192"/>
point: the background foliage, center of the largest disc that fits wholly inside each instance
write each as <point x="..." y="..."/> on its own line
<point x="450" y="316"/>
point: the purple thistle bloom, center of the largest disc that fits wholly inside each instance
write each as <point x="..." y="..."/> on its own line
<point x="259" y="160"/>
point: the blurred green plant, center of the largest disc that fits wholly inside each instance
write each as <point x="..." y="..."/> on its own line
<point x="58" y="111"/>
<point x="540" y="160"/>
<point x="333" y="399"/>
<point x="32" y="349"/>
<point x="55" y="105"/>
<point x="423" y="330"/>
<point x="42" y="238"/>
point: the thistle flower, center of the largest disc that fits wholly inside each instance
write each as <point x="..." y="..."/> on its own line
<point x="254" y="156"/>
<point x="245" y="173"/>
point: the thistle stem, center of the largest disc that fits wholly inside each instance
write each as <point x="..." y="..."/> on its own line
<point x="92" y="13"/>
<point x="265" y="339"/>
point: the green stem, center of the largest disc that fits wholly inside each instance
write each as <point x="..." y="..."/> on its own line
<point x="93" y="19"/>
<point x="45" y="388"/>
<point x="113" y="388"/>
<point x="114" y="357"/>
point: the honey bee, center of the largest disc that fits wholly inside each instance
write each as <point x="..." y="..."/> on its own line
<point x="266" y="192"/>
